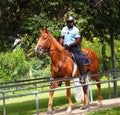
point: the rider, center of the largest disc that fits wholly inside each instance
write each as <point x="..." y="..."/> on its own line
<point x="70" y="39"/>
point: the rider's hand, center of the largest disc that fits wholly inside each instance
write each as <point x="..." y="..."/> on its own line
<point x="66" y="46"/>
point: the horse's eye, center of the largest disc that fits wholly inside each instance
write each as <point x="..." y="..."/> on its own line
<point x="45" y="38"/>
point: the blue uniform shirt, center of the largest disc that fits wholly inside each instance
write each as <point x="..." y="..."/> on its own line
<point x="70" y="34"/>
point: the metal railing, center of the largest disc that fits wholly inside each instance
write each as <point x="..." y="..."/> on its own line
<point x="36" y="86"/>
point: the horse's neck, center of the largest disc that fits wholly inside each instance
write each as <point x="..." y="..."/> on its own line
<point x="56" y="50"/>
<point x="56" y="45"/>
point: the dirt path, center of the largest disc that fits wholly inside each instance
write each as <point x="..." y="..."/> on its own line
<point x="109" y="103"/>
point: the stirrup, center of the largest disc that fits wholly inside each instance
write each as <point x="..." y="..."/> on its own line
<point x="82" y="79"/>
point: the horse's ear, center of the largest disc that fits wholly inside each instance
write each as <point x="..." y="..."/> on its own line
<point x="46" y="30"/>
<point x="40" y="30"/>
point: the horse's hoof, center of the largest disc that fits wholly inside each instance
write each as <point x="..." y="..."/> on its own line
<point x="99" y="104"/>
<point x="83" y="107"/>
<point x="69" y="109"/>
<point x="50" y="110"/>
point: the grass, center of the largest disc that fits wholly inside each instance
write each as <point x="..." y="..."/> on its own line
<point x="27" y="106"/>
<point x="111" y="111"/>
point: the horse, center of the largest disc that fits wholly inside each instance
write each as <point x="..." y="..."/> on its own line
<point x="63" y="67"/>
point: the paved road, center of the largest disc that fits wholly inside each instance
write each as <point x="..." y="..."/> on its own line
<point x="109" y="103"/>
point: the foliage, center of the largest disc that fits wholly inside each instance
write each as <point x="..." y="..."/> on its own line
<point x="97" y="47"/>
<point x="35" y="22"/>
<point x="96" y="20"/>
<point x="40" y="68"/>
<point x="26" y="44"/>
<point x="117" y="50"/>
<point x="13" y="66"/>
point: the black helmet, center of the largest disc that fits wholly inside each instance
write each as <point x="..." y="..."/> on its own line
<point x="69" y="18"/>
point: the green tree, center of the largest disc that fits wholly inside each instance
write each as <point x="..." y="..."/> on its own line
<point x="98" y="18"/>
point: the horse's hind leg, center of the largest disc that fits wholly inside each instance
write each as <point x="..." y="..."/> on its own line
<point x="85" y="96"/>
<point x="99" y="91"/>
<point x="50" y="108"/>
<point x="68" y="92"/>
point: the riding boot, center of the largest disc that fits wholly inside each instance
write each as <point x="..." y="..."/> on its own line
<point x="81" y="68"/>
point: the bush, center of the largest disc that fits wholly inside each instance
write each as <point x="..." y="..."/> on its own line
<point x="40" y="67"/>
<point x="13" y="66"/>
<point x="95" y="46"/>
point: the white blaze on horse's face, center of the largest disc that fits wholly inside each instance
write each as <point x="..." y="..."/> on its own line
<point x="37" y="46"/>
<point x="43" y="43"/>
<point x="39" y="49"/>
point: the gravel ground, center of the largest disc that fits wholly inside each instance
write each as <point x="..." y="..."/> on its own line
<point x="108" y="103"/>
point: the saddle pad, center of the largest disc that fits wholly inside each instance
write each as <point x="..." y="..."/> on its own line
<point x="85" y="58"/>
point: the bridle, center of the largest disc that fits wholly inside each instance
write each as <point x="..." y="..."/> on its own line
<point x="43" y="49"/>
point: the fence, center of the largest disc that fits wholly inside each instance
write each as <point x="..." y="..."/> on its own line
<point x="36" y="86"/>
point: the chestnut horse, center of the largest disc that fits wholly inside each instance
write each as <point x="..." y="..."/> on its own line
<point x="63" y="66"/>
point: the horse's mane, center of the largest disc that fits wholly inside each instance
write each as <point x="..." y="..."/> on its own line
<point x="58" y="46"/>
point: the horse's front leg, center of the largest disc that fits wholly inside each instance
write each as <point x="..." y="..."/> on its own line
<point x="68" y="92"/>
<point x="50" y="108"/>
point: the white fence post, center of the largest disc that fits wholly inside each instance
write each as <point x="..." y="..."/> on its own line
<point x="87" y="81"/>
<point x="78" y="90"/>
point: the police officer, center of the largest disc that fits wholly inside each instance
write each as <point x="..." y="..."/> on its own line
<point x="70" y="39"/>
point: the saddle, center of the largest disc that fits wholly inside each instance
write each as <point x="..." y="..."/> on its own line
<point x="83" y="56"/>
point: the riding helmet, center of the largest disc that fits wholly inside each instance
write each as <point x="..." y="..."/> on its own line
<point x="69" y="18"/>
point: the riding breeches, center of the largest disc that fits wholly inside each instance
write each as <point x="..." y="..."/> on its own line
<point x="78" y="59"/>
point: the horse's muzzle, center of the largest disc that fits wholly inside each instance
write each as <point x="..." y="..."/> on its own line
<point x="39" y="50"/>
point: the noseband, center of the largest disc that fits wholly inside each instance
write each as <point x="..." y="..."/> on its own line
<point x="43" y="49"/>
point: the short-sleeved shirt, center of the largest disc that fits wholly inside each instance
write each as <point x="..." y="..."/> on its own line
<point x="70" y="34"/>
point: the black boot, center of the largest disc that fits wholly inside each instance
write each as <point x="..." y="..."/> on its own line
<point x="81" y="69"/>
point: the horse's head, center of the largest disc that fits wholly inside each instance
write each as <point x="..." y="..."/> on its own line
<point x="43" y="42"/>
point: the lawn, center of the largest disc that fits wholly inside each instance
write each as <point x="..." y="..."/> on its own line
<point x="111" y="111"/>
<point x="27" y="106"/>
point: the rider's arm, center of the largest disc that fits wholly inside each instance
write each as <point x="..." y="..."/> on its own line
<point x="76" y="42"/>
<point x="61" y="42"/>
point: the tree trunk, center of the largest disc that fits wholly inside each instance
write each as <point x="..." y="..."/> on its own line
<point x="113" y="61"/>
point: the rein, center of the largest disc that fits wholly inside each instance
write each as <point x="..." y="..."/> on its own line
<point x="46" y="50"/>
